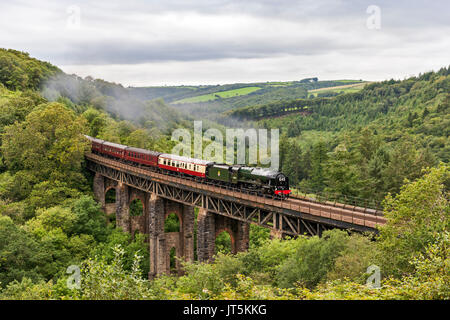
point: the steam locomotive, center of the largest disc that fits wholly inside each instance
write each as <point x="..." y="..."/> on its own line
<point x="259" y="180"/>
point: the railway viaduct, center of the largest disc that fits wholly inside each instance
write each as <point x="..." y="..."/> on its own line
<point x="219" y="209"/>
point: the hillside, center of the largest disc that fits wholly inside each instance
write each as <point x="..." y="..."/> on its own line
<point x="18" y="71"/>
<point x="362" y="144"/>
<point x="210" y="101"/>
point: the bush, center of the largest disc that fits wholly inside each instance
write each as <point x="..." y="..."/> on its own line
<point x="360" y="252"/>
<point x="415" y="217"/>
<point x="312" y="260"/>
<point x="202" y="281"/>
<point x="27" y="290"/>
<point x="110" y="281"/>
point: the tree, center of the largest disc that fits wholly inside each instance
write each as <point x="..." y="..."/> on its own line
<point x="20" y="254"/>
<point x="97" y="121"/>
<point x="319" y="158"/>
<point x="368" y="143"/>
<point x="49" y="144"/>
<point x="312" y="260"/>
<point x="342" y="174"/>
<point x="140" y="138"/>
<point x="406" y="162"/>
<point x="111" y="281"/>
<point x="18" y="71"/>
<point x="415" y="217"/>
<point x="50" y="193"/>
<point x="90" y="219"/>
<point x="294" y="166"/>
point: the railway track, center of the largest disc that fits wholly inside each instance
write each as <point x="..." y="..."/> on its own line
<point x="339" y="205"/>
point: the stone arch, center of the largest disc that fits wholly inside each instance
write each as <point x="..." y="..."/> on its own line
<point x="227" y="230"/>
<point x="174" y="239"/>
<point x="179" y="219"/>
<point x="138" y="222"/>
<point x="109" y="191"/>
<point x="102" y="186"/>
<point x="162" y="242"/>
<point x="110" y="205"/>
<point x="176" y="208"/>
<point x="210" y="225"/>
<point x="134" y="204"/>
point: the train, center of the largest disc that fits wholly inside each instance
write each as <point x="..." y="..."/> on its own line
<point x="262" y="181"/>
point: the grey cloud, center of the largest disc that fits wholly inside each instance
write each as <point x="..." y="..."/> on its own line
<point x="117" y="32"/>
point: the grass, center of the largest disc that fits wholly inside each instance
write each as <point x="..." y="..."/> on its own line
<point x="347" y="81"/>
<point x="349" y="88"/>
<point x="219" y="95"/>
<point x="279" y="83"/>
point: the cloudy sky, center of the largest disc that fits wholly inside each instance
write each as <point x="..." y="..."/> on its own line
<point x="171" y="42"/>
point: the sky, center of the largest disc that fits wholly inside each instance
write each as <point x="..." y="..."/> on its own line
<point x="184" y="42"/>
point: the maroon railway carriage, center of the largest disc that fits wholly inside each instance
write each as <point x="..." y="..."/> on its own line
<point x="96" y="145"/>
<point x="142" y="156"/>
<point x="114" y="149"/>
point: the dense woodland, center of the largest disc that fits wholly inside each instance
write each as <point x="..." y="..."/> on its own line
<point x="365" y="144"/>
<point x="362" y="145"/>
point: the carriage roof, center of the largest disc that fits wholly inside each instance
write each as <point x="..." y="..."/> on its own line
<point x="114" y="145"/>
<point x="144" y="151"/>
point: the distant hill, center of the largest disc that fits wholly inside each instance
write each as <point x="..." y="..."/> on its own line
<point x="18" y="71"/>
<point x="191" y="94"/>
<point x="210" y="101"/>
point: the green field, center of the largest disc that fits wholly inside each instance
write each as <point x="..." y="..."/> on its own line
<point x="220" y="94"/>
<point x="350" y="88"/>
